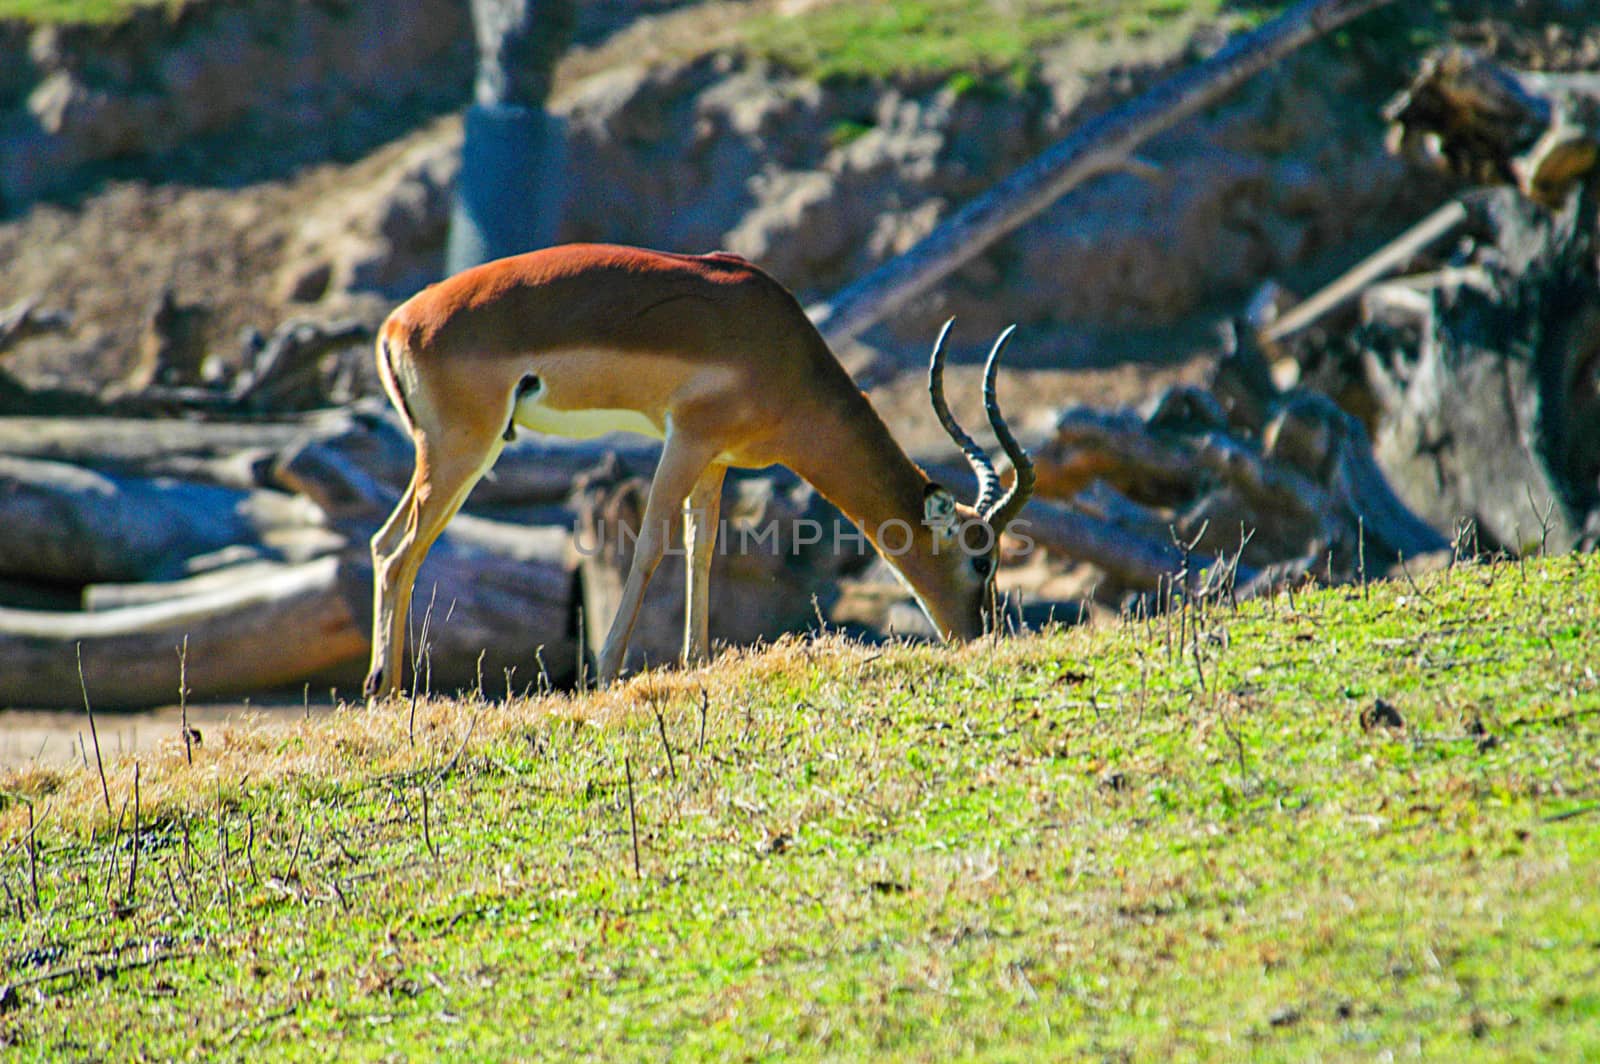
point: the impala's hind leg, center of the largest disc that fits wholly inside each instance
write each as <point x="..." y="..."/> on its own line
<point x="438" y="487"/>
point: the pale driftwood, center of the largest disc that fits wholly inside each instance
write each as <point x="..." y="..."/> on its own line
<point x="253" y="637"/>
<point x="1348" y="287"/>
<point x="143" y="445"/>
<point x="1101" y="145"/>
<point x="481" y="616"/>
<point x="99" y="598"/>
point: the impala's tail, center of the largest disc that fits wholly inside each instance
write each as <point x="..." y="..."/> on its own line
<point x="391" y="383"/>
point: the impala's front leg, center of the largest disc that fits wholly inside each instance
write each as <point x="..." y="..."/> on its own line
<point x="682" y="462"/>
<point x="701" y="522"/>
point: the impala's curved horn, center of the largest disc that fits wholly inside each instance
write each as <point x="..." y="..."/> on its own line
<point x="1004" y="510"/>
<point x="988" y="479"/>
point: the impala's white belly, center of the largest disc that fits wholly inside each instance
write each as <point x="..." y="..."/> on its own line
<point x="530" y="412"/>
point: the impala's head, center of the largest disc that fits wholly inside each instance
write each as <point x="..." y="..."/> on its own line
<point x="966" y="539"/>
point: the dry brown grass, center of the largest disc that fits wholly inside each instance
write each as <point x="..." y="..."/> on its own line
<point x="398" y="737"/>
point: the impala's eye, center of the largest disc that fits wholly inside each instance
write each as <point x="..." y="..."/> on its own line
<point x="982" y="564"/>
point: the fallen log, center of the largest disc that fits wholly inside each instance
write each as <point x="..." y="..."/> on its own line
<point x="65" y="524"/>
<point x="148" y="447"/>
<point x="1135" y="561"/>
<point x="483" y="621"/>
<point x="355" y="463"/>
<point x="99" y="598"/>
<point x="255" y="636"/>
<point x="481" y="617"/>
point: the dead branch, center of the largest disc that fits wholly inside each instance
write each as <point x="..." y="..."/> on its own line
<point x="1099" y="146"/>
<point x="25" y="319"/>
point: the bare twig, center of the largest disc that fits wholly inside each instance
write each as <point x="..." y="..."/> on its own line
<point x="133" y="864"/>
<point x="98" y="970"/>
<point x="114" y="863"/>
<point x="172" y="888"/>
<point x="183" y="699"/>
<point x="250" y="846"/>
<point x="661" y="727"/>
<point x="633" y="816"/>
<point x="427" y="833"/>
<point x="294" y="855"/>
<point x="1414" y="586"/>
<point x="418" y="650"/>
<point x="222" y="853"/>
<point x="24" y="319"/>
<point x="1559" y="718"/>
<point x="455" y="758"/>
<point x="705" y="705"/>
<point x="83" y="685"/>
<point x="33" y="860"/>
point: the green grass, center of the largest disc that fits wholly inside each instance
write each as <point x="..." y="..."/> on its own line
<point x="873" y="38"/>
<point x="945" y="37"/>
<point x="1081" y="843"/>
<point x="46" y="12"/>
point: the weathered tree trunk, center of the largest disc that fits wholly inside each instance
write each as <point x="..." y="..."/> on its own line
<point x="1490" y="406"/>
<point x="1487" y="375"/>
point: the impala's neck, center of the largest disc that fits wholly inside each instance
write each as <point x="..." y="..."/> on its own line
<point x="848" y="454"/>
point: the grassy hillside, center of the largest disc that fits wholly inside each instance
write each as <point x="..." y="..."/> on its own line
<point x="1175" y="837"/>
<point x="864" y="37"/>
<point x="50" y="11"/>
<point x="970" y="36"/>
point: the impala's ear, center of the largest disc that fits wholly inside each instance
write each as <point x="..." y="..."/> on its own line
<point x="939" y="510"/>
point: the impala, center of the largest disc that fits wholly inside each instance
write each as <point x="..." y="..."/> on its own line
<point x="706" y="353"/>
